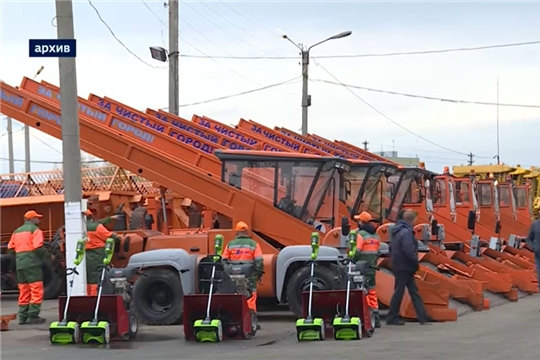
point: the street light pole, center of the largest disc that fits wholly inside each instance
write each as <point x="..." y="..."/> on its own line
<point x="304" y="52"/>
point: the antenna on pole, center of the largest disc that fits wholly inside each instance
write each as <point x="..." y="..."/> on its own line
<point x="498" y="127"/>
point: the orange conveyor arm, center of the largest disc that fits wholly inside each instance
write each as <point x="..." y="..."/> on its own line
<point x="221" y="128"/>
<point x="204" y="143"/>
<point x="276" y="137"/>
<point x="351" y="152"/>
<point x="178" y="171"/>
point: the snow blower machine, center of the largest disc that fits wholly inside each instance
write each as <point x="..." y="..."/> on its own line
<point x="344" y="311"/>
<point x="220" y="311"/>
<point x="107" y="316"/>
<point x="310" y="328"/>
<point x="64" y="331"/>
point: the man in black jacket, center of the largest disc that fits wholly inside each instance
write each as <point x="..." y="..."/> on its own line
<point x="404" y="253"/>
<point x="533" y="240"/>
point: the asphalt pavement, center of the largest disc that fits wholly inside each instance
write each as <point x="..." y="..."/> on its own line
<point x="509" y="331"/>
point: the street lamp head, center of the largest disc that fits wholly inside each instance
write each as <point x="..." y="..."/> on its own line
<point x="284" y="36"/>
<point x="159" y="53"/>
<point x="341" y="35"/>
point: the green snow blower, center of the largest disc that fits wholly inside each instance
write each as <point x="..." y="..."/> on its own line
<point x="347" y="327"/>
<point x="309" y="328"/>
<point x="210" y="330"/>
<point x="97" y="331"/>
<point x="64" y="331"/>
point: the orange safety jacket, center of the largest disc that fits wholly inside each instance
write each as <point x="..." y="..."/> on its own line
<point x="97" y="235"/>
<point x="243" y="249"/>
<point x="27" y="242"/>
<point x="368" y="250"/>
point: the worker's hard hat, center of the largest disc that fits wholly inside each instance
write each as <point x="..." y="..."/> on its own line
<point x="87" y="212"/>
<point x="364" y="216"/>
<point x="32" y="214"/>
<point x="241" y="226"/>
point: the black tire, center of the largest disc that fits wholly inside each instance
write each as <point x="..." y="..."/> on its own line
<point x="54" y="280"/>
<point x="137" y="218"/>
<point x="133" y="326"/>
<point x="324" y="279"/>
<point x="158" y="297"/>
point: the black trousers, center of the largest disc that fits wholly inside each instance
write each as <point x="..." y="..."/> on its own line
<point x="406" y="280"/>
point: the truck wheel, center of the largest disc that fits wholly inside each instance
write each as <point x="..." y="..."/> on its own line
<point x="137" y="218"/>
<point x="158" y="297"/>
<point x="323" y="279"/>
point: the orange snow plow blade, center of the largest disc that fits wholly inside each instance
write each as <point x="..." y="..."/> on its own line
<point x="435" y="299"/>
<point x="457" y="265"/>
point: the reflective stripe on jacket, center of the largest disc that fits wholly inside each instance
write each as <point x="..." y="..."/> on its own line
<point x="245" y="250"/>
<point x="97" y="235"/>
<point x="27" y="242"/>
<point x="368" y="249"/>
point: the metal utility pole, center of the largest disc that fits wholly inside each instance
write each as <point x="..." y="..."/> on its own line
<point x="304" y="52"/>
<point x="27" y="162"/>
<point x="71" y="147"/>
<point x="471" y="158"/>
<point x="27" y="149"/>
<point x="171" y="55"/>
<point x="174" y="76"/>
<point x="365" y="143"/>
<point x="11" y="159"/>
<point x="498" y="127"/>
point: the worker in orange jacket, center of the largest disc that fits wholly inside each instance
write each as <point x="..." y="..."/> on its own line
<point x="368" y="250"/>
<point x="95" y="251"/>
<point x="243" y="249"/>
<point x="27" y="244"/>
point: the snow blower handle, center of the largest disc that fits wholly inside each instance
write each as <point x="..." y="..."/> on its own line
<point x="315" y="238"/>
<point x="352" y="244"/>
<point x="79" y="252"/>
<point x="218" y="247"/>
<point x="109" y="251"/>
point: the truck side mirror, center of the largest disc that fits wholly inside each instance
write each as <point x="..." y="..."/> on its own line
<point x="148" y="221"/>
<point x="434" y="227"/>
<point x="345" y="226"/>
<point x="125" y="247"/>
<point x="471" y="220"/>
<point x="498" y="227"/>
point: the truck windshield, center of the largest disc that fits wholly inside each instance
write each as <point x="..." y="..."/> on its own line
<point x="353" y="182"/>
<point x="370" y="200"/>
<point x="307" y="190"/>
<point x="401" y="189"/>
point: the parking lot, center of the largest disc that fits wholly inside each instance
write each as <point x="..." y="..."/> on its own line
<point x="507" y="331"/>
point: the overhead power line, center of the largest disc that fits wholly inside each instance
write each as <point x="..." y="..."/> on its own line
<point x="203" y="54"/>
<point x="255" y="23"/>
<point x="388" y="118"/>
<point x="425" y="97"/>
<point x="404" y="53"/>
<point x="120" y="41"/>
<point x="290" y="81"/>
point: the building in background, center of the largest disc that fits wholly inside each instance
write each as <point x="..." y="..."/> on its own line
<point x="393" y="156"/>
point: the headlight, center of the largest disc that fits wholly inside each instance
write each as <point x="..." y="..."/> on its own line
<point x="355" y="273"/>
<point x="358" y="278"/>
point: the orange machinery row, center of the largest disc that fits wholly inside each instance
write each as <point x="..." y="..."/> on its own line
<point x="247" y="133"/>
